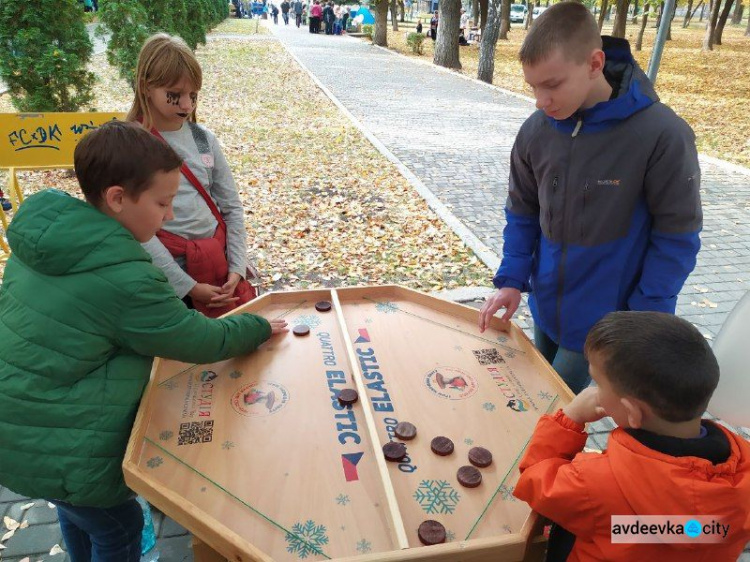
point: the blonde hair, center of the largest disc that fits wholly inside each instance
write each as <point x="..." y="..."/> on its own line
<point x="163" y="61"/>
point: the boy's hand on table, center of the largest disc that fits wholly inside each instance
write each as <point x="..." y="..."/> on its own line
<point x="278" y="327"/>
<point x="585" y="407"/>
<point x="507" y="298"/>
<point x="231" y="284"/>
<point x="211" y="296"/>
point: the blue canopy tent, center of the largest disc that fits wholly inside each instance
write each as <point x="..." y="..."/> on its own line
<point x="366" y="14"/>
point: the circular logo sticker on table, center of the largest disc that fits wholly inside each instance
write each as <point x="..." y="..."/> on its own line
<point x="260" y="399"/>
<point x="451" y="383"/>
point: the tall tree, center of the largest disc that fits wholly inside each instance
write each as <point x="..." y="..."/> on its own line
<point x="393" y="4"/>
<point x="722" y="22"/>
<point x="708" y="37"/>
<point x="504" y="19"/>
<point x="737" y="15"/>
<point x="402" y="11"/>
<point x="747" y="29"/>
<point x="488" y="42"/>
<point x="603" y="13"/>
<point x="688" y="14"/>
<point x="483" y="8"/>
<point x="529" y="14"/>
<point x="621" y="18"/>
<point x="644" y="21"/>
<point x="446" y="45"/>
<point x="380" y="34"/>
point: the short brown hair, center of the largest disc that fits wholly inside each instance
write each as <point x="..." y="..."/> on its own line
<point x="124" y="154"/>
<point x="658" y="358"/>
<point x="568" y="26"/>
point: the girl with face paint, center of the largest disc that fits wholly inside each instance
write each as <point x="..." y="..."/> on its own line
<point x="203" y="250"/>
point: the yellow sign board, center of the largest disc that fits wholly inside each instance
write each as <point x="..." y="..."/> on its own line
<point x="44" y="140"/>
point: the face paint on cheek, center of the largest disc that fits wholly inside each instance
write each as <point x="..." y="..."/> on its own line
<point x="194" y="98"/>
<point x="173" y="98"/>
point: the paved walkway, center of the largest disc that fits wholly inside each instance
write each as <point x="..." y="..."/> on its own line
<point x="455" y="136"/>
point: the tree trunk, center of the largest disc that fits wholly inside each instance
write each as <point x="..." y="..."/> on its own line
<point x="504" y="19"/>
<point x="605" y="7"/>
<point x="621" y="19"/>
<point x="688" y="14"/>
<point x="635" y="12"/>
<point x="737" y="15"/>
<point x="380" y="34"/>
<point x="475" y="12"/>
<point x="402" y="9"/>
<point x="671" y="19"/>
<point x="703" y="13"/>
<point x="393" y="6"/>
<point x="644" y="21"/>
<point x="747" y="29"/>
<point x="483" y="7"/>
<point x="529" y="15"/>
<point x="659" y="14"/>
<point x="446" y="45"/>
<point x="722" y="22"/>
<point x="708" y="37"/>
<point x="488" y="42"/>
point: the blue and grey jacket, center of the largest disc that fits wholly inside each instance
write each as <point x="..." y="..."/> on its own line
<point x="603" y="209"/>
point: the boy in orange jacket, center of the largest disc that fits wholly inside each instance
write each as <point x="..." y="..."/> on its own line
<point x="655" y="374"/>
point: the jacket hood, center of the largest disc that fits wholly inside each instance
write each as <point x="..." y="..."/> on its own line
<point x="633" y="92"/>
<point x="698" y="486"/>
<point x="56" y="234"/>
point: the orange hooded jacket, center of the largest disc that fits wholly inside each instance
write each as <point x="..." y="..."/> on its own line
<point x="581" y="491"/>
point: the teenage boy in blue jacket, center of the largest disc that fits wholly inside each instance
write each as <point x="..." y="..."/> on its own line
<point x="603" y="210"/>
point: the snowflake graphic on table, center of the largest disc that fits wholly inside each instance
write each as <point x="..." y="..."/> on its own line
<point x="308" y="320"/>
<point x="507" y="529"/>
<point x="450" y="536"/>
<point x="469" y="441"/>
<point x="166" y="435"/>
<point x="364" y="546"/>
<point x="154" y="462"/>
<point x="342" y="499"/>
<point x="506" y="493"/>
<point x="436" y="496"/>
<point x="502" y="339"/>
<point x="386" y="307"/>
<point x="306" y="539"/>
<point x="510" y="354"/>
<point x="235" y="375"/>
<point x="489" y="406"/>
<point x="170" y="384"/>
<point x="226" y="445"/>
<point x="544" y="395"/>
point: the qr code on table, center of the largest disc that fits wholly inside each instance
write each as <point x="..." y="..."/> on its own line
<point x="488" y="356"/>
<point x="196" y="432"/>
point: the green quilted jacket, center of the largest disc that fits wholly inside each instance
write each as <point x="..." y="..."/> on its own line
<point x="82" y="314"/>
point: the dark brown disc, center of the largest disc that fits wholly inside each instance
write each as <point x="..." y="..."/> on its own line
<point x="301" y="330"/>
<point x="442" y="446"/>
<point x="469" y="476"/>
<point x="481" y="457"/>
<point x="394" y="451"/>
<point x="406" y="431"/>
<point x="323" y="306"/>
<point x="431" y="532"/>
<point x="348" y="396"/>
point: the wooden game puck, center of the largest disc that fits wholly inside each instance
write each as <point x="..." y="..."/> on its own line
<point x="348" y="396"/>
<point x="301" y="330"/>
<point x="406" y="431"/>
<point x="431" y="532"/>
<point x="323" y="306"/>
<point x="442" y="446"/>
<point x="394" y="451"/>
<point x="469" y="476"/>
<point x="481" y="457"/>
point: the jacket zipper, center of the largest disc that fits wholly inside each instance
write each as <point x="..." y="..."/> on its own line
<point x="561" y="270"/>
<point x="554" y="189"/>
<point x="583" y="213"/>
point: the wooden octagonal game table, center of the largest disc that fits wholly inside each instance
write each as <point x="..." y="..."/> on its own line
<point x="257" y="457"/>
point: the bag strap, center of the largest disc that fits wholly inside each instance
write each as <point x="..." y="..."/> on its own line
<point x="190" y="176"/>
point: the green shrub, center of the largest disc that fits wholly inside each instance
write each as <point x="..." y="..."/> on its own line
<point x="415" y="41"/>
<point x="44" y="50"/>
<point x="367" y="29"/>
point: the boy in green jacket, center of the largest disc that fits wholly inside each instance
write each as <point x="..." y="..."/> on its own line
<point x="83" y="312"/>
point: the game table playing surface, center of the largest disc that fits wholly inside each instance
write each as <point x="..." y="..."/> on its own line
<point x="256" y="456"/>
